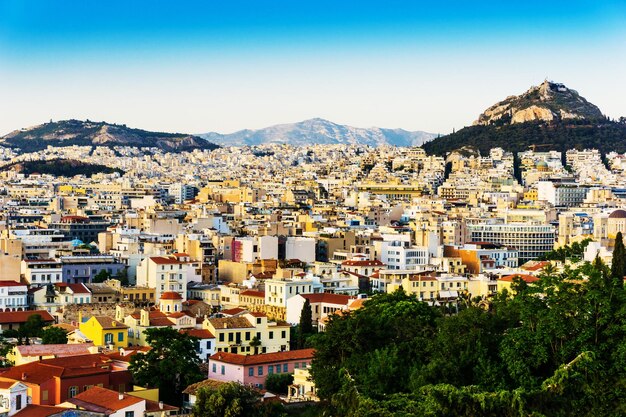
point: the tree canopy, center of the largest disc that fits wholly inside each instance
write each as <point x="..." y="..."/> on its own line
<point x="53" y="336"/>
<point x="555" y="347"/>
<point x="170" y="365"/>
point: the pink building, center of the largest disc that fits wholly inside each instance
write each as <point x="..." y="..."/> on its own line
<point x="253" y="369"/>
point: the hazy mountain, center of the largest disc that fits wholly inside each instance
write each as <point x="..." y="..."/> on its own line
<point x="78" y="132"/>
<point x="550" y="116"/>
<point x="320" y="131"/>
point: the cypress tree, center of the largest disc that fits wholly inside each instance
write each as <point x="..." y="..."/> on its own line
<point x="618" y="265"/>
<point x="306" y="318"/>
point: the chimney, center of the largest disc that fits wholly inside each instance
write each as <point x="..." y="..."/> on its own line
<point x="23" y="376"/>
<point x="121" y="396"/>
<point x="161" y="405"/>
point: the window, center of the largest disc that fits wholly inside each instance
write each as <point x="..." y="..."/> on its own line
<point x="260" y="371"/>
<point x="230" y="337"/>
<point x="72" y="391"/>
<point x="221" y="337"/>
<point x="270" y="369"/>
<point x="285" y="367"/>
<point x="108" y="338"/>
<point x="214" y="368"/>
<point x="296" y="365"/>
<point x="208" y="344"/>
<point x="247" y="335"/>
<point x="283" y="334"/>
<point x="129" y="414"/>
<point x="120" y="337"/>
<point x="223" y="369"/>
<point x="271" y="335"/>
<point x="250" y="371"/>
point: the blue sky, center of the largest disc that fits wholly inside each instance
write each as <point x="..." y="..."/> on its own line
<point x="208" y="65"/>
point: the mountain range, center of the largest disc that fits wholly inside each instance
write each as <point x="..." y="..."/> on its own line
<point x="550" y="116"/>
<point x="320" y="131"/>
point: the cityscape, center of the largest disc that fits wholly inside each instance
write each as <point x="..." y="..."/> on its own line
<point x="152" y="265"/>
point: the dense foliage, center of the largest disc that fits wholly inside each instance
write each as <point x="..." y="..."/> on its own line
<point x="574" y="252"/>
<point x="556" y="347"/>
<point x="33" y="327"/>
<point x="278" y="383"/>
<point x="234" y="400"/>
<point x="53" y="336"/>
<point x="605" y="136"/>
<point x="171" y="365"/>
<point x="63" y="168"/>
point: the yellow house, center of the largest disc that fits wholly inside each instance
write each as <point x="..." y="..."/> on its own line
<point x="104" y="331"/>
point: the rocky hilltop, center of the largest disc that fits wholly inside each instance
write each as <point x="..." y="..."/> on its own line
<point x="550" y="115"/>
<point x="547" y="102"/>
<point x="85" y="133"/>
<point x="320" y="131"/>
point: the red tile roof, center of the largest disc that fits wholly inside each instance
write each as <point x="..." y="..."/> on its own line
<point x="245" y="360"/>
<point x="104" y="398"/>
<point x="160" y="260"/>
<point x="233" y="311"/>
<point x="329" y="298"/>
<point x="70" y="366"/>
<point x="7" y="317"/>
<point x="171" y="295"/>
<point x="11" y="284"/>
<point x="32" y="410"/>
<point x="253" y="293"/>
<point x="58" y="350"/>
<point x="199" y="333"/>
<point x="523" y="277"/>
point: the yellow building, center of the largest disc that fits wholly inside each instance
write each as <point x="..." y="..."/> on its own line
<point x="104" y="331"/>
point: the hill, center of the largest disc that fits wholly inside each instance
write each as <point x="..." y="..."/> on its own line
<point x="86" y="133"/>
<point x="320" y="131"/>
<point x="60" y="168"/>
<point x="550" y="114"/>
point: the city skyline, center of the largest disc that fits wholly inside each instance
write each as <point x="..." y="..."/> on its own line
<point x="235" y="66"/>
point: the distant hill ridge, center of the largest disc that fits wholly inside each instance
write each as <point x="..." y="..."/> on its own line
<point x="320" y="131"/>
<point x="85" y="133"/>
<point x="550" y="114"/>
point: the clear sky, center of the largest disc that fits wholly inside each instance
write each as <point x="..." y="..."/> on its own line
<point x="225" y="65"/>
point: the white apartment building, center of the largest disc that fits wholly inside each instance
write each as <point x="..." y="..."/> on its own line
<point x="168" y="273"/>
<point x="561" y="194"/>
<point x="279" y="290"/>
<point x="13" y="296"/>
<point x="399" y="255"/>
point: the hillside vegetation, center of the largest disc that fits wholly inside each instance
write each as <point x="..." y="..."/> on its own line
<point x="88" y="133"/>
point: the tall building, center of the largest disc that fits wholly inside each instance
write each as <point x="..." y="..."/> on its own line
<point x="530" y="240"/>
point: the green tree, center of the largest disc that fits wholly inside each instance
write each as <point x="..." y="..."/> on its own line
<point x="228" y="400"/>
<point x="101" y="276"/>
<point x="278" y="383"/>
<point x="618" y="264"/>
<point x="171" y="365"/>
<point x="31" y="328"/>
<point x="53" y="335"/>
<point x="255" y="343"/>
<point x="306" y="318"/>
<point x="389" y="329"/>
